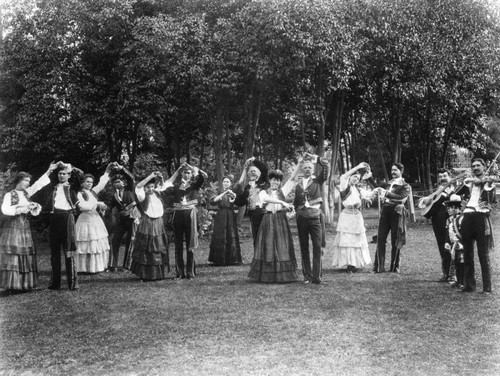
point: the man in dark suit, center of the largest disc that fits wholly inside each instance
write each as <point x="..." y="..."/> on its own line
<point x="62" y="208"/>
<point x="438" y="214"/>
<point x="307" y="203"/>
<point x="248" y="195"/>
<point x="125" y="204"/>
<point x="480" y="193"/>
<point x="392" y="219"/>
<point x="185" y="196"/>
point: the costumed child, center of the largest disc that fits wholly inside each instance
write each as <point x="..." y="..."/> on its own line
<point x="454" y="245"/>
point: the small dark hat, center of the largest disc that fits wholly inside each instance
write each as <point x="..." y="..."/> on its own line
<point x="264" y="171"/>
<point x="454" y="200"/>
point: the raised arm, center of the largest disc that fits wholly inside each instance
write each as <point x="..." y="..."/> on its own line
<point x="200" y="176"/>
<point x="143" y="182"/>
<point x="104" y="178"/>
<point x="42" y="181"/>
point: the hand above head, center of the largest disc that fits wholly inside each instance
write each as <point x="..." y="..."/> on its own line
<point x="248" y="161"/>
<point x="110" y="167"/>
<point x="52" y="167"/>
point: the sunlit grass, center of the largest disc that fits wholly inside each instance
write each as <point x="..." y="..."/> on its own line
<point x="222" y="324"/>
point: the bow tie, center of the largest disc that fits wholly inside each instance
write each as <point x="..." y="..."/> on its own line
<point x="63" y="184"/>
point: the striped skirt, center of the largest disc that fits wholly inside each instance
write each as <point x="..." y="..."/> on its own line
<point x="150" y="250"/>
<point x="18" y="267"/>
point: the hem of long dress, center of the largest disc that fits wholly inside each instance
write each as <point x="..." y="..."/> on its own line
<point x="91" y="262"/>
<point x="14" y="280"/>
<point x="273" y="272"/>
<point x="149" y="272"/>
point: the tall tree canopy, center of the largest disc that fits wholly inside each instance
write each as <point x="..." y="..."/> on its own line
<point x="218" y="81"/>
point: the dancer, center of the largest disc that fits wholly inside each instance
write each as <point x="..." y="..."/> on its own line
<point x="274" y="260"/>
<point x="225" y="243"/>
<point x="248" y="194"/>
<point x="350" y="247"/>
<point x="454" y="246"/>
<point x="392" y="219"/>
<point x="307" y="202"/>
<point x="124" y="201"/>
<point x="92" y="244"/>
<point x="18" y="264"/>
<point x="185" y="198"/>
<point x="150" y="250"/>
<point x="62" y="206"/>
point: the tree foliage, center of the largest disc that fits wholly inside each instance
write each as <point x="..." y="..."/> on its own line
<point x="215" y="82"/>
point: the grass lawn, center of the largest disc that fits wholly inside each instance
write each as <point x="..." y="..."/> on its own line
<point x="222" y="324"/>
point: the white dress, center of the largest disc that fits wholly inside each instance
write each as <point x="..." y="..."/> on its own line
<point x="350" y="246"/>
<point x="92" y="245"/>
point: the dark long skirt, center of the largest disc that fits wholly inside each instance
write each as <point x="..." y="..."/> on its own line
<point x="150" y="250"/>
<point x="225" y="245"/>
<point x="274" y="260"/>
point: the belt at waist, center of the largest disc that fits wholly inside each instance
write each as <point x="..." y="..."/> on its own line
<point x="313" y="206"/>
<point x="177" y="208"/>
<point x="471" y="210"/>
<point x="62" y="211"/>
<point x="351" y="210"/>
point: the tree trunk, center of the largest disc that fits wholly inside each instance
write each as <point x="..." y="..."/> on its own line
<point x="217" y="126"/>
<point x="381" y="154"/>
<point x="251" y="110"/>
<point x="229" y="153"/>
<point x="202" y="150"/>
<point x="338" y="108"/>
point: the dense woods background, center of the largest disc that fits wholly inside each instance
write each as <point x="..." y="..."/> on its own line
<point x="148" y="83"/>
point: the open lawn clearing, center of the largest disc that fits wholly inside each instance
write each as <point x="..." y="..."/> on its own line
<point x="221" y="324"/>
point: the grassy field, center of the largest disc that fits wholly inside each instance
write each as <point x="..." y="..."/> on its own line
<point x="222" y="324"/>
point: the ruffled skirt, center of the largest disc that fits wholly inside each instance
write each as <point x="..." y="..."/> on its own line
<point x="92" y="244"/>
<point x="350" y="246"/>
<point x="274" y="260"/>
<point x="225" y="244"/>
<point x="150" y="250"/>
<point x="18" y="266"/>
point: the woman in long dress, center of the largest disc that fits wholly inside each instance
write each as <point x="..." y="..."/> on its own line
<point x="350" y="247"/>
<point x="225" y="244"/>
<point x="274" y="259"/>
<point x="150" y="248"/>
<point x="18" y="265"/>
<point x="92" y="243"/>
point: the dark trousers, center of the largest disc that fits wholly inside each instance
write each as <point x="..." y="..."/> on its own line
<point x="62" y="236"/>
<point x="124" y="225"/>
<point x="473" y="228"/>
<point x="441" y="234"/>
<point x="389" y="221"/>
<point x="255" y="220"/>
<point x="310" y="227"/>
<point x="182" y="234"/>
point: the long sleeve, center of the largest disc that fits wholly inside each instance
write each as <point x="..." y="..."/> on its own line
<point x="39" y="184"/>
<point x="86" y="205"/>
<point x="320" y="179"/>
<point x="401" y="193"/>
<point x="102" y="183"/>
<point x="141" y="195"/>
<point x="198" y="183"/>
<point x="164" y="186"/>
<point x="287" y="188"/>
<point x="7" y="208"/>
